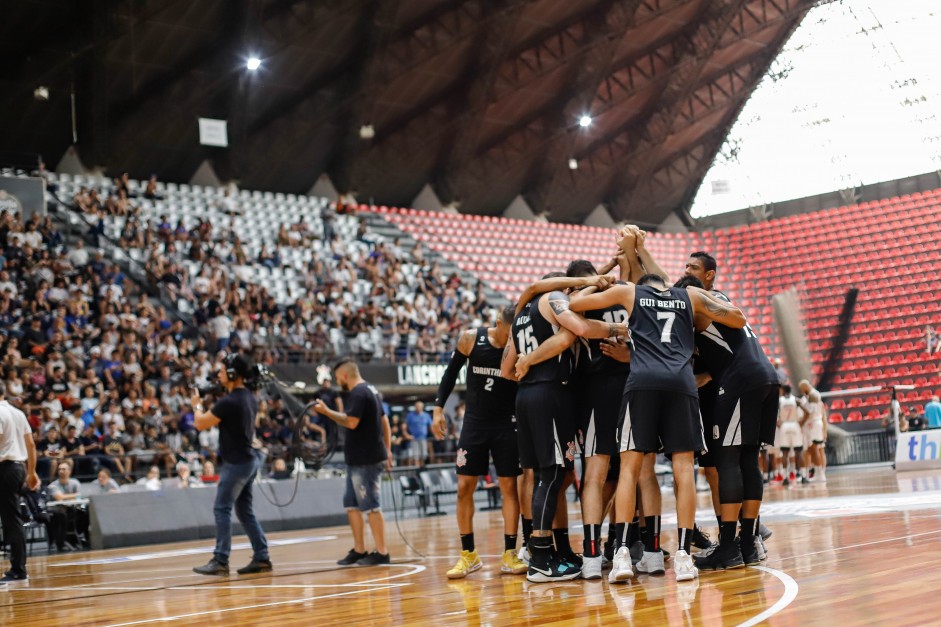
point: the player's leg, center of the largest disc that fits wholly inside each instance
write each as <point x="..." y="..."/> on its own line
<point x="625" y="504"/>
<point x="593" y="487"/>
<point x="472" y="462"/>
<point x="504" y="451"/>
<point x="652" y="561"/>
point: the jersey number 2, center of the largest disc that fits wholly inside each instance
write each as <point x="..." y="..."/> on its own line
<point x="488" y="385"/>
<point x="670" y="317"/>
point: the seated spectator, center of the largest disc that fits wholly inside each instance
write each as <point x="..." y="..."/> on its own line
<point x="63" y="516"/>
<point x="209" y="473"/>
<point x="184" y="478"/>
<point x="104" y="484"/>
<point x="152" y="480"/>
<point x="279" y="470"/>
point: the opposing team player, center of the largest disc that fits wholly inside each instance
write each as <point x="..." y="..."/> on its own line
<point x="545" y="416"/>
<point x="489" y="430"/>
<point x="660" y="407"/>
<point x="815" y="431"/>
<point x="792" y="439"/>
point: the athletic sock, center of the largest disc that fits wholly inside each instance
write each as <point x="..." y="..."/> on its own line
<point x="562" y="544"/>
<point x="509" y="542"/>
<point x="612" y="533"/>
<point x="651" y="534"/>
<point x="685" y="537"/>
<point x="540" y="548"/>
<point x="527" y="530"/>
<point x="634" y="535"/>
<point x="727" y="533"/>
<point x="591" y="545"/>
<point x="467" y="541"/>
<point x="620" y="536"/>
<point x="749" y="526"/>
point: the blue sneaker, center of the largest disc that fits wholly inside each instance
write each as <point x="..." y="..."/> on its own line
<point x="555" y="571"/>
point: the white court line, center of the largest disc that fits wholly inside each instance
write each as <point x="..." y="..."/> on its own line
<point x="166" y="619"/>
<point x="790" y="593"/>
<point x="856" y="546"/>
<point x="220" y="587"/>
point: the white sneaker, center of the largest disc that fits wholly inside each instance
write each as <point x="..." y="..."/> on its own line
<point x="651" y="563"/>
<point x="591" y="567"/>
<point x="760" y="549"/>
<point x="523" y="555"/>
<point x="683" y="566"/>
<point x="623" y="568"/>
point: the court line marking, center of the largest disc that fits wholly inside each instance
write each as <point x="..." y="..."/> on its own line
<point x="137" y="557"/>
<point x="166" y="619"/>
<point x="790" y="593"/>
<point x="221" y="587"/>
<point x="836" y="549"/>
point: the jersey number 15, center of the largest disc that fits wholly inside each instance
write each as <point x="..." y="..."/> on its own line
<point x="527" y="341"/>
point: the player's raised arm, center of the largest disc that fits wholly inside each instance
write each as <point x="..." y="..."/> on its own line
<point x="621" y="294"/>
<point x="552" y="347"/>
<point x="714" y="309"/>
<point x="650" y="264"/>
<point x="559" y="283"/>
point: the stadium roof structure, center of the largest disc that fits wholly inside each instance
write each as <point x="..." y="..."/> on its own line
<point x="480" y="99"/>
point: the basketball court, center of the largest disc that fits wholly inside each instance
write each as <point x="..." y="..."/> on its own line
<point x="857" y="550"/>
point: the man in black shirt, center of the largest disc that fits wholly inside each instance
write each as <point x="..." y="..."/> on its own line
<point x="368" y="454"/>
<point x="660" y="406"/>
<point x="235" y="414"/>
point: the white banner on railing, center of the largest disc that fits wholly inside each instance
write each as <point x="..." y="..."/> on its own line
<point x="918" y="450"/>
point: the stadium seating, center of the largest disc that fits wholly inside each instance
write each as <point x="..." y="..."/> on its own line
<point x="887" y="249"/>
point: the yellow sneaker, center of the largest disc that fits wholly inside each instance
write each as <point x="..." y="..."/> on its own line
<point x="513" y="564"/>
<point x="466" y="564"/>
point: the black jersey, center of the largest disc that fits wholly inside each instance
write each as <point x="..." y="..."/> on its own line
<point x="489" y="397"/>
<point x="592" y="360"/>
<point x="734" y="357"/>
<point x="662" y="333"/>
<point x="530" y="329"/>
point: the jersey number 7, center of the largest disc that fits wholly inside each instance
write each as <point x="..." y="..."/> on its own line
<point x="670" y="317"/>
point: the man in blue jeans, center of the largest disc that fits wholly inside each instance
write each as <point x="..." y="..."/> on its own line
<point x="368" y="454"/>
<point x="235" y="414"/>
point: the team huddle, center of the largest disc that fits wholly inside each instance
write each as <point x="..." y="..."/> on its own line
<point x="617" y="372"/>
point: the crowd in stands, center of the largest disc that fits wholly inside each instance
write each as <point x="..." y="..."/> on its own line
<point x="409" y="310"/>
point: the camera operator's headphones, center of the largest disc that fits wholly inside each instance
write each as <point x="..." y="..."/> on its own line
<point x="236" y="366"/>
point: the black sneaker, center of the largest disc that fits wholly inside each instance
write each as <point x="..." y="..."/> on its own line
<point x="11" y="577"/>
<point x="351" y="558"/>
<point x="749" y="553"/>
<point x="374" y="559"/>
<point x="212" y="568"/>
<point x="570" y="557"/>
<point x="554" y="571"/>
<point x="256" y="566"/>
<point x="722" y="558"/>
<point x="804" y="481"/>
<point x="763" y="531"/>
<point x="701" y="539"/>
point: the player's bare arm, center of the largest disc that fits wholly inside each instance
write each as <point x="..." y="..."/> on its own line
<point x="508" y="363"/>
<point x="715" y="309"/>
<point x="649" y="263"/>
<point x="601" y="281"/>
<point x="556" y="305"/>
<point x="549" y="349"/>
<point x="622" y="294"/>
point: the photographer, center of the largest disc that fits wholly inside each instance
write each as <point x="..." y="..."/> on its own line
<point x="234" y="414"/>
<point x="368" y="440"/>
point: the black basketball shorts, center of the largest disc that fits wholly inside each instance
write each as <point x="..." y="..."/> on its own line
<point x="707" y="409"/>
<point x="479" y="442"/>
<point x="545" y="426"/>
<point x="744" y="418"/>
<point x="659" y="421"/>
<point x="600" y="407"/>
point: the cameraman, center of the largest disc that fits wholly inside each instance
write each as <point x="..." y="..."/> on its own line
<point x="367" y="453"/>
<point x="234" y="413"/>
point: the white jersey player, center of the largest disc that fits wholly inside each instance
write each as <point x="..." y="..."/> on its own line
<point x="791" y="439"/>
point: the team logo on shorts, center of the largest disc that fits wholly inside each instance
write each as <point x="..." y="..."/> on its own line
<point x="715" y="432"/>
<point x="461" y="458"/>
<point x="570" y="453"/>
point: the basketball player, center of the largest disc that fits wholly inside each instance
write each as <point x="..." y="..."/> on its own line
<point x="812" y="406"/>
<point x="545" y="420"/>
<point x="743" y="417"/>
<point x="660" y="406"/>
<point x="791" y="437"/>
<point x="489" y="430"/>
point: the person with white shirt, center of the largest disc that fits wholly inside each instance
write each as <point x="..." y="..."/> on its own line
<point x="16" y="447"/>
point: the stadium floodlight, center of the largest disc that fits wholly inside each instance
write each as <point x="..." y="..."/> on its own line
<point x="253" y="63"/>
<point x="584" y="121"/>
<point x="573" y="163"/>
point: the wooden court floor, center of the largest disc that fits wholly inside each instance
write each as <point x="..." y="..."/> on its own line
<point x="863" y="549"/>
